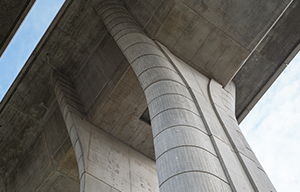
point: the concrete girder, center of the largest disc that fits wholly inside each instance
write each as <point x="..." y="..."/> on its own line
<point x="12" y="15"/>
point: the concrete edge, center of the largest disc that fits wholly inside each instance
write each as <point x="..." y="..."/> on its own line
<point x="264" y="89"/>
<point x="12" y="89"/>
<point x="16" y="25"/>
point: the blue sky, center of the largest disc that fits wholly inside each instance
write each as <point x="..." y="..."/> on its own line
<point x="25" y="41"/>
<point x="271" y="128"/>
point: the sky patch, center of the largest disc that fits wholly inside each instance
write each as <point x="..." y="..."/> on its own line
<point x="25" y="40"/>
<point x="272" y="129"/>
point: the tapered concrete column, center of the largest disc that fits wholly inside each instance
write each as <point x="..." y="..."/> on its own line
<point x="78" y="129"/>
<point x="243" y="161"/>
<point x="186" y="155"/>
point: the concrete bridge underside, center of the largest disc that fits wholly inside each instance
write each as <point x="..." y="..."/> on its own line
<point x="117" y="92"/>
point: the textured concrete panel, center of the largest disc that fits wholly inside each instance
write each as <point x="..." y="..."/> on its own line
<point x="29" y="177"/>
<point x="103" y="161"/>
<point x="119" y="114"/>
<point x="244" y="79"/>
<point x="188" y="159"/>
<point x="118" y="166"/>
<point x="232" y="23"/>
<point x="275" y="51"/>
<point x="49" y="164"/>
<point x="64" y="183"/>
<point x="171" y="138"/>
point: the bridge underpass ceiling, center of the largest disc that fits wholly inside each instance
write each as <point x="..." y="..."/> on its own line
<point x="214" y="37"/>
<point x="278" y="48"/>
<point x="119" y="115"/>
<point x="78" y="45"/>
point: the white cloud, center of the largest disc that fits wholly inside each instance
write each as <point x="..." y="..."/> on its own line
<point x="273" y="130"/>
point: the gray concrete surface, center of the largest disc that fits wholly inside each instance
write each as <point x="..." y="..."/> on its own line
<point x="48" y="163"/>
<point x="156" y="72"/>
<point x="104" y="163"/>
<point x="212" y="40"/>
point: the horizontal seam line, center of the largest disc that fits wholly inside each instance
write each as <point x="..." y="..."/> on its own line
<point x="181" y="108"/>
<point x="165" y="94"/>
<point x="119" y="18"/>
<point x="173" y="109"/>
<point x="131" y="32"/>
<point x="148" y="54"/>
<point x="194" y="146"/>
<point x="140" y="42"/>
<point x="179" y="125"/>
<point x="123" y="29"/>
<point x="124" y="16"/>
<point x="134" y="33"/>
<point x="135" y="25"/>
<point x="192" y="172"/>
<point x="160" y="81"/>
<point x="110" y="8"/>
<point x="154" y="68"/>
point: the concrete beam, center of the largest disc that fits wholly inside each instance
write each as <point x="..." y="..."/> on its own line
<point x="12" y="15"/>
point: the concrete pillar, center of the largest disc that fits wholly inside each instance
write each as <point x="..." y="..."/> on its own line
<point x="198" y="144"/>
<point x="104" y="163"/>
<point x="217" y="104"/>
<point x="186" y="156"/>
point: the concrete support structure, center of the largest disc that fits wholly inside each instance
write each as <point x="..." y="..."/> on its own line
<point x="104" y="163"/>
<point x="143" y="96"/>
<point x="198" y="143"/>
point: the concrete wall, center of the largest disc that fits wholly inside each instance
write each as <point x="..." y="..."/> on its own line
<point x="113" y="166"/>
<point x="99" y="75"/>
<point x="104" y="163"/>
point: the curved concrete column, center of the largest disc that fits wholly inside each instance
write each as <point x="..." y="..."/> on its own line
<point x="217" y="105"/>
<point x="223" y="102"/>
<point x="78" y="129"/>
<point x="186" y="158"/>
